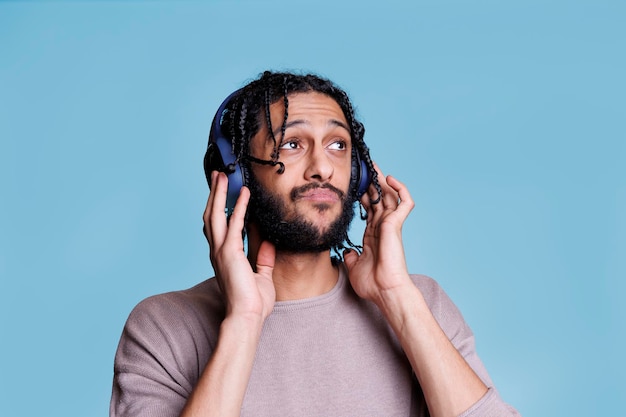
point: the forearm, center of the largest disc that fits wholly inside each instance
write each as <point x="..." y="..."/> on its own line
<point x="449" y="384"/>
<point x="222" y="385"/>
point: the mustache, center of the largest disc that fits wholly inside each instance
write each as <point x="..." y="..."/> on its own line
<point x="297" y="191"/>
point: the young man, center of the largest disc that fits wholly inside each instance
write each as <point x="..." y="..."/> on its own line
<point x="285" y="328"/>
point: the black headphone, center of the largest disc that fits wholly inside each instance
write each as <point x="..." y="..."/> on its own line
<point x="219" y="156"/>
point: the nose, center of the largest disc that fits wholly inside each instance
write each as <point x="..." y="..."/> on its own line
<point x="320" y="167"/>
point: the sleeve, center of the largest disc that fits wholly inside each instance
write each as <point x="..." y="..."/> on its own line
<point x="162" y="351"/>
<point x="454" y="326"/>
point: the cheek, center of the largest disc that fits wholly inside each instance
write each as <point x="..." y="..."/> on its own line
<point x="269" y="179"/>
<point x="346" y="172"/>
<point x="260" y="147"/>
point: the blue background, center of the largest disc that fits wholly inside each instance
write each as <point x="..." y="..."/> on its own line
<point x="505" y="120"/>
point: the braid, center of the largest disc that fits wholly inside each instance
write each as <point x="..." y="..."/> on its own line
<point x="358" y="131"/>
<point x="243" y="112"/>
<point x="231" y="121"/>
<point x="268" y="120"/>
<point x="286" y="114"/>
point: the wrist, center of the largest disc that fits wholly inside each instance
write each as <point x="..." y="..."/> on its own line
<point x="400" y="304"/>
<point x="246" y="326"/>
<point x="248" y="312"/>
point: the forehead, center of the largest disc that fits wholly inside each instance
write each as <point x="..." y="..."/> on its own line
<point x="308" y="106"/>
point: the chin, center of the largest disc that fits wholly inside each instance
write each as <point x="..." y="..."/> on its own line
<point x="322" y="217"/>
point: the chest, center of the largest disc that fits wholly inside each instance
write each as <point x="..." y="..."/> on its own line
<point x="329" y="362"/>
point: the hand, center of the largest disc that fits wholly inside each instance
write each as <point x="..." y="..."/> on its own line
<point x="379" y="274"/>
<point x="246" y="291"/>
<point x="381" y="266"/>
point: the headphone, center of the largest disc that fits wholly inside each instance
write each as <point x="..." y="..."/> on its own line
<point x="219" y="156"/>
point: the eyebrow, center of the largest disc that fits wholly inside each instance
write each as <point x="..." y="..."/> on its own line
<point x="297" y="122"/>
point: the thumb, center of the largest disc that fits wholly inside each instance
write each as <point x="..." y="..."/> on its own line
<point x="266" y="258"/>
<point x="350" y="257"/>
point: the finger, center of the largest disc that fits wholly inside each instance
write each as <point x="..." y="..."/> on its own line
<point x="205" y="224"/>
<point x="350" y="257"/>
<point x="217" y="216"/>
<point x="390" y="195"/>
<point x="265" y="259"/>
<point x="207" y="210"/>
<point x="236" y="222"/>
<point x="376" y="209"/>
<point x="406" y="203"/>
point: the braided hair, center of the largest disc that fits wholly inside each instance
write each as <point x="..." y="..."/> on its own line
<point x="250" y="107"/>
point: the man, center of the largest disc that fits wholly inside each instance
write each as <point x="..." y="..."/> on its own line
<point x="287" y="329"/>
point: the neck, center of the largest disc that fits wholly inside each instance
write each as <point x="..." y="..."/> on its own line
<point x="297" y="275"/>
<point x="303" y="275"/>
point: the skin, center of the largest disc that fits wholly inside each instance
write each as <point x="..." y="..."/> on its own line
<point x="316" y="148"/>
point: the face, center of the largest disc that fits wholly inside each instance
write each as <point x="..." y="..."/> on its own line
<point x="308" y="207"/>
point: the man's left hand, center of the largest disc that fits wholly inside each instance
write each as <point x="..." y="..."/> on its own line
<point x="381" y="267"/>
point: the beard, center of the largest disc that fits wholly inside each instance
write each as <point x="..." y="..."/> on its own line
<point x="295" y="234"/>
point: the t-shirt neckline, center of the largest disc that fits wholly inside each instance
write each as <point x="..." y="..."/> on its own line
<point x="305" y="303"/>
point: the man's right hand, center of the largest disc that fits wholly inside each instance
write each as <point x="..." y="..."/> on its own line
<point x="249" y="296"/>
<point x="248" y="293"/>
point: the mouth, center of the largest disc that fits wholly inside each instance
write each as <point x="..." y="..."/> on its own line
<point x="319" y="196"/>
<point x="325" y="193"/>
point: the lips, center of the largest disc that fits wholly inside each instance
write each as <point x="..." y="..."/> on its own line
<point x="320" y="195"/>
<point x="325" y="193"/>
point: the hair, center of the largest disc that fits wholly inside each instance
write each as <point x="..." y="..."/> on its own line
<point x="250" y="107"/>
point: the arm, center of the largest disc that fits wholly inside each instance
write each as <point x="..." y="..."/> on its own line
<point x="379" y="274"/>
<point x="449" y="384"/>
<point x="166" y="337"/>
<point x="222" y="385"/>
<point x="250" y="297"/>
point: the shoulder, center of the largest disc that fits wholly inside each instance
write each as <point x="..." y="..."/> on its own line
<point x="177" y="314"/>
<point x="434" y="295"/>
<point x="203" y="296"/>
<point x="425" y="283"/>
<point x="166" y="342"/>
<point x="442" y="307"/>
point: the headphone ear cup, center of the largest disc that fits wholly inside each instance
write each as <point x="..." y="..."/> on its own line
<point x="355" y="175"/>
<point x="220" y="157"/>
<point x="361" y="177"/>
<point x="213" y="161"/>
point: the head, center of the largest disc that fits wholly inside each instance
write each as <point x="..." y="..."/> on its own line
<point x="255" y="121"/>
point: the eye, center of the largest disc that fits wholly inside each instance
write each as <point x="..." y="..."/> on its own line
<point x="290" y="144"/>
<point x="338" y="145"/>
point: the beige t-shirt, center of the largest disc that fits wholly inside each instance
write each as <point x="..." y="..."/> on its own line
<point x="331" y="355"/>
